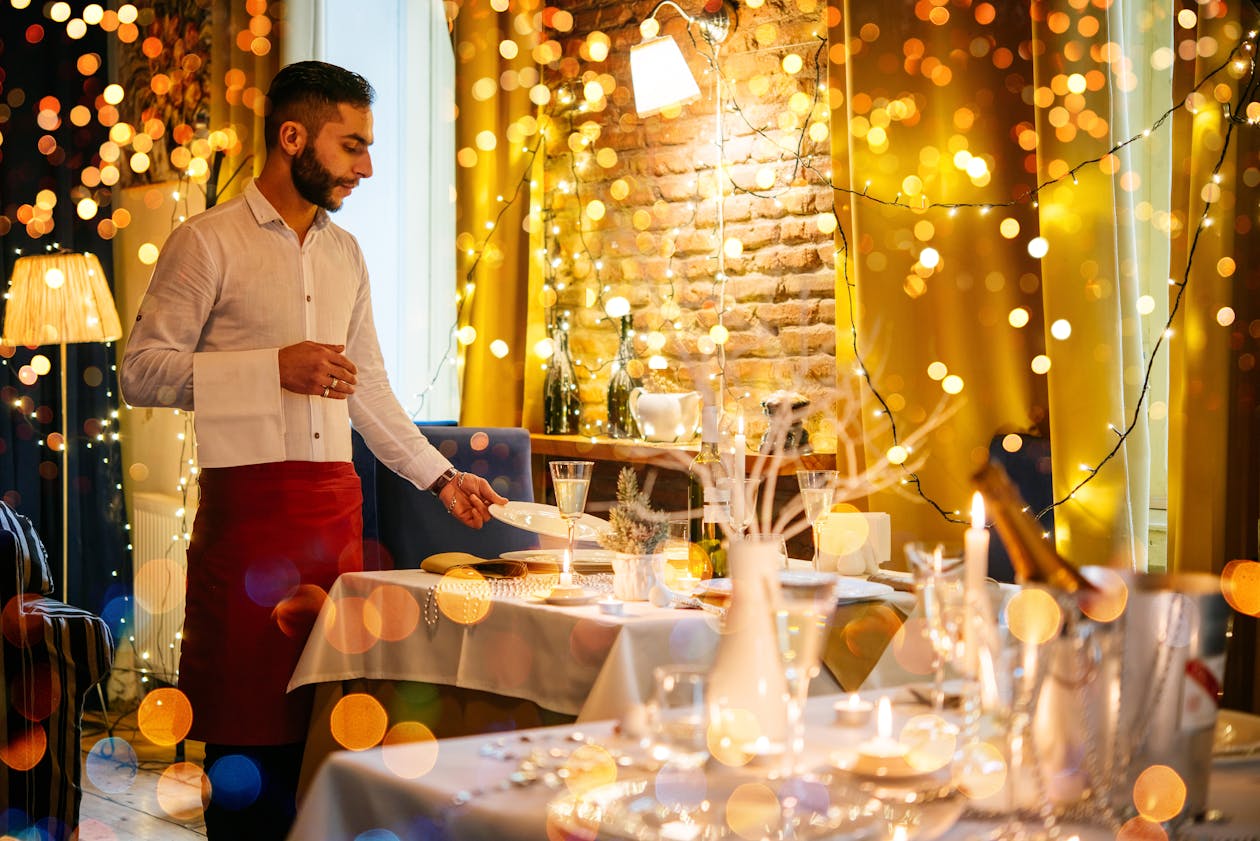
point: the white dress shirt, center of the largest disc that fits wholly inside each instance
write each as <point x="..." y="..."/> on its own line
<point x="232" y="286"/>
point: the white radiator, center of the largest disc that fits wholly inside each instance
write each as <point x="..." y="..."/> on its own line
<point x="160" y="561"/>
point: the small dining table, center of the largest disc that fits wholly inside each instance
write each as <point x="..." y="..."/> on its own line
<point x="395" y="635"/>
<point x="504" y="787"/>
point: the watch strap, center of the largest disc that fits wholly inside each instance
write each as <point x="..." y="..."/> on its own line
<point x="443" y="480"/>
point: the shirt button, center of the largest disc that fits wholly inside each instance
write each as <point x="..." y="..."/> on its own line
<point x="308" y="299"/>
<point x="316" y="434"/>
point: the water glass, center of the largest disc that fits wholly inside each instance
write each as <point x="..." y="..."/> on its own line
<point x="676" y="715"/>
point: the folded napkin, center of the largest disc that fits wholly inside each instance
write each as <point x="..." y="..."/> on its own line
<point x="444" y="562"/>
<point x="902" y="581"/>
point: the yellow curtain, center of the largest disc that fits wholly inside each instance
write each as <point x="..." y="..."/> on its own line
<point x="997" y="234"/>
<point x="493" y="138"/>
<point x="1201" y="471"/>
<point x="230" y="108"/>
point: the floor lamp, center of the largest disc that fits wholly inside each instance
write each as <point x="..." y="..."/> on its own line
<point x="58" y="299"/>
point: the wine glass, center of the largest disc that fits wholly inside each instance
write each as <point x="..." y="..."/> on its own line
<point x="818" y="490"/>
<point x="748" y="490"/>
<point x="571" y="480"/>
<point x="940" y="580"/>
<point x="802" y="612"/>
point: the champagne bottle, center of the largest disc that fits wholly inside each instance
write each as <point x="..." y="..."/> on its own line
<point x="562" y="409"/>
<point x="1033" y="557"/>
<point x="621" y="423"/>
<point x="709" y="498"/>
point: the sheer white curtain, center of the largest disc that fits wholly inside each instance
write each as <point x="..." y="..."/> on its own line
<point x="404" y="216"/>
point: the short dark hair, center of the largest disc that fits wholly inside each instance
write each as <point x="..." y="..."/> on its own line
<point x="309" y="92"/>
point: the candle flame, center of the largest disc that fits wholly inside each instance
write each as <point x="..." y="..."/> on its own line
<point x="977" y="511"/>
<point x="854" y="701"/>
<point x="883" y="721"/>
<point x="739" y="426"/>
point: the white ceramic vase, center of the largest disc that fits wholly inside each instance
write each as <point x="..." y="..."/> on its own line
<point x="747" y="697"/>
<point x="634" y="576"/>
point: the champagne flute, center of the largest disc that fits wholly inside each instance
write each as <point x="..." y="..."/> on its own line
<point x="940" y="581"/>
<point x="818" y="491"/>
<point x="802" y="612"/>
<point x="571" y="481"/>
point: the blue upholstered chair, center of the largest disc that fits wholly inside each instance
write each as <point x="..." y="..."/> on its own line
<point x="410" y="524"/>
<point x="1029" y="469"/>
<point x="52" y="655"/>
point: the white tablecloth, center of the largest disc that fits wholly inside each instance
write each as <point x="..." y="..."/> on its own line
<point x="572" y="660"/>
<point x="462" y="789"/>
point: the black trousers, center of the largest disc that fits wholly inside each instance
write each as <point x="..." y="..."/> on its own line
<point x="253" y="791"/>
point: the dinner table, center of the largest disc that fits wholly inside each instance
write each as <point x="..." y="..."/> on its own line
<point x="565" y="782"/>
<point x="485" y="654"/>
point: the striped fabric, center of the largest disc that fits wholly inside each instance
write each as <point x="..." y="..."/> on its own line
<point x="52" y="655"/>
<point x="30" y="573"/>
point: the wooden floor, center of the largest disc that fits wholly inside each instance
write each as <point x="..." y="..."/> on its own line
<point x="160" y="804"/>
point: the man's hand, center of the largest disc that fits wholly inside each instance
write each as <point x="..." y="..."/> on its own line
<point x="319" y="369"/>
<point x="468" y="498"/>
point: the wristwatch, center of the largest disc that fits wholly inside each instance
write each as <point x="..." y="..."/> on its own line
<point x="442" y="481"/>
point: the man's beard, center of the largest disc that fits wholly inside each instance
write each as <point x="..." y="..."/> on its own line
<point x="314" y="181"/>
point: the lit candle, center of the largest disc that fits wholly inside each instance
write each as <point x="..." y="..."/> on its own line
<point x="611" y="606"/>
<point x="883" y="756"/>
<point x="853" y="712"/>
<point x="975" y="570"/>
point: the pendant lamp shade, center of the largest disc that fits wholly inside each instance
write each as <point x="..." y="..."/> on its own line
<point x="660" y="76"/>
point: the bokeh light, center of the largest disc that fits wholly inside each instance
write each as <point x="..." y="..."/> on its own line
<point x="165" y="716"/>
<point x="358" y="721"/>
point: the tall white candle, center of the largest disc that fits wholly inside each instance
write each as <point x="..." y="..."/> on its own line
<point x="976" y="570"/>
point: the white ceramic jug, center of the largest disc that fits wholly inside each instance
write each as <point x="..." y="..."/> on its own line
<point x="666" y="417"/>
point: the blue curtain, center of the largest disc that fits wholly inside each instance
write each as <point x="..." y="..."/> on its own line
<point x="40" y="60"/>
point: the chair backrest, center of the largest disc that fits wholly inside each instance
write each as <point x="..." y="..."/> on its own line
<point x="411" y="524"/>
<point x="24" y="562"/>
<point x="1029" y="469"/>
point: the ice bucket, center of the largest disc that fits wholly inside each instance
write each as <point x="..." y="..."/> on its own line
<point x="1174" y="656"/>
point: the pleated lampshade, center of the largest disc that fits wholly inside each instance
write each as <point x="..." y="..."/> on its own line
<point x="59" y="299"/>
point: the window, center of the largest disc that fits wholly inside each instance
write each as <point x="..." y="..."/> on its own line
<point x="404" y="216"/>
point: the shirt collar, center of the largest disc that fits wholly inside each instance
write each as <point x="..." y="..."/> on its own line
<point x="265" y="213"/>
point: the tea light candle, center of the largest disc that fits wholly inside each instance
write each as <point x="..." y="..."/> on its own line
<point x="566" y="580"/>
<point x="611" y="606"/>
<point x="883" y="756"/>
<point x="853" y="712"/>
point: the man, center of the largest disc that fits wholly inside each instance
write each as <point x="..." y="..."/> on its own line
<point x="258" y="317"/>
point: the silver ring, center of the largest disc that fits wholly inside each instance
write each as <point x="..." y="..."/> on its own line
<point x="334" y="383"/>
<point x="459" y="483"/>
<point x="325" y="394"/>
<point x="450" y="509"/>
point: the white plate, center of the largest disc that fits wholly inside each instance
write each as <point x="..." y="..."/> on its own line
<point x="546" y="519"/>
<point x="631" y="810"/>
<point x="585" y="561"/>
<point x="859" y="590"/>
<point x="1237" y="736"/>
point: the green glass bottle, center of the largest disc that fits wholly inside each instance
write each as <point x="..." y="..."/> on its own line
<point x="562" y="408"/>
<point x="709" y="498"/>
<point x="621" y="423"/>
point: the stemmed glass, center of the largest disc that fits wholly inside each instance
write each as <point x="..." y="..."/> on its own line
<point x="802" y="612"/>
<point x="940" y="580"/>
<point x="818" y="490"/>
<point x="571" y="480"/>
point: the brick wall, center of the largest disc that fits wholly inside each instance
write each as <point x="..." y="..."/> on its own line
<point x="657" y="240"/>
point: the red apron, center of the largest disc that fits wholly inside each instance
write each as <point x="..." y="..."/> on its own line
<point x="267" y="544"/>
